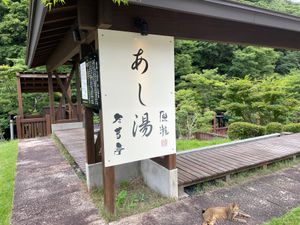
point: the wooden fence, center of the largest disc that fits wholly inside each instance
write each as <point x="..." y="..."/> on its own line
<point x="220" y="131"/>
<point x="33" y="127"/>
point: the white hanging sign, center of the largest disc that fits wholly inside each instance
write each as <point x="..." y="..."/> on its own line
<point x="137" y="92"/>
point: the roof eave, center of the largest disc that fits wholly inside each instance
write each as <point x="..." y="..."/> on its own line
<point x="36" y="19"/>
<point x="227" y="10"/>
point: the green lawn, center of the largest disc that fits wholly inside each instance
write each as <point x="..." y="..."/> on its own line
<point x="8" y="157"/>
<point x="192" y="144"/>
<point x="291" y="218"/>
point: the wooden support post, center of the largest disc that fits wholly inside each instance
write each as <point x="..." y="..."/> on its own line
<point x="89" y="136"/>
<point x="227" y="178"/>
<point x="51" y="97"/>
<point x="215" y="123"/>
<point x="66" y="85"/>
<point x="109" y="188"/>
<point x="170" y="161"/>
<point x="265" y="166"/>
<point x="20" y="99"/>
<point x="66" y="93"/>
<point x="71" y="106"/>
<point x="105" y="14"/>
<point x="108" y="176"/>
<point x="19" y="127"/>
<point x="294" y="158"/>
<point x="48" y="124"/>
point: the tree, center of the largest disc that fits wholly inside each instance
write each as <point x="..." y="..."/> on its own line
<point x="13" y="30"/>
<point x="208" y="85"/>
<point x="253" y="61"/>
<point x="189" y="115"/>
<point x="288" y="60"/>
<point x="238" y="100"/>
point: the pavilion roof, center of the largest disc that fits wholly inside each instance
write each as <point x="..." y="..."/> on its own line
<point x="38" y="82"/>
<point x="50" y="40"/>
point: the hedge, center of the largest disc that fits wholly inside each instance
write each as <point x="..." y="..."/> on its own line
<point x="274" y="127"/>
<point x="243" y="130"/>
<point x="292" y="127"/>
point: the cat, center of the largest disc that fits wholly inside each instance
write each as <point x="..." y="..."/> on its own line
<point x="212" y="215"/>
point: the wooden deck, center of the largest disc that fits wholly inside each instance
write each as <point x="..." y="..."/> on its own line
<point x="203" y="165"/>
<point x="74" y="142"/>
<point x="197" y="166"/>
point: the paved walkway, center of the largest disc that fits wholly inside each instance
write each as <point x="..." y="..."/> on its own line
<point x="263" y="198"/>
<point x="47" y="191"/>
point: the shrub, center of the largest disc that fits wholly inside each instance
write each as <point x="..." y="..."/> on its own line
<point x="274" y="127"/>
<point x="292" y="127"/>
<point x="242" y="130"/>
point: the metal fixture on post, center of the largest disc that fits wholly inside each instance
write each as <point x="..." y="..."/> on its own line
<point x="11" y="127"/>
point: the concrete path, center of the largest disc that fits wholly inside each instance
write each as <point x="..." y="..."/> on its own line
<point x="47" y="191"/>
<point x="263" y="198"/>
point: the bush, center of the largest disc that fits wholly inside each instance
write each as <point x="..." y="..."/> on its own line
<point x="242" y="130"/>
<point x="292" y="127"/>
<point x="274" y="127"/>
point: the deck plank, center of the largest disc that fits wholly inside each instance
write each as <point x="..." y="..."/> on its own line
<point x="234" y="158"/>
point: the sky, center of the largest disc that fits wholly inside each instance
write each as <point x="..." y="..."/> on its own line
<point x="298" y="1"/>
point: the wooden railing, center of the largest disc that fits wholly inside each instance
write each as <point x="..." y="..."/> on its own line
<point x="220" y="130"/>
<point x="33" y="127"/>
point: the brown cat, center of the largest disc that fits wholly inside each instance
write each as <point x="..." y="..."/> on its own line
<point x="212" y="215"/>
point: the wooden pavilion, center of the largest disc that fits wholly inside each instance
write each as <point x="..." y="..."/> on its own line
<point x="69" y="32"/>
<point x="30" y="126"/>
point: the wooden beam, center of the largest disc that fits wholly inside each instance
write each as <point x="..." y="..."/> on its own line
<point x="61" y="24"/>
<point x="105" y="15"/>
<point x="51" y="97"/>
<point x="60" y="15"/>
<point x="66" y="49"/>
<point x="87" y="14"/>
<point x="63" y="52"/>
<point x="66" y="85"/>
<point x="190" y="26"/>
<point x="64" y="91"/>
<point x="89" y="136"/>
<point x="20" y="98"/>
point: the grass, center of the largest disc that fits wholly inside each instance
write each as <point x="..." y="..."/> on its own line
<point x="291" y="218"/>
<point x="8" y="158"/>
<point x="242" y="177"/>
<point x="182" y="145"/>
<point x="131" y="198"/>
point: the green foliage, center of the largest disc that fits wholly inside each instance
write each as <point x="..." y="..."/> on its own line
<point x="208" y="86"/>
<point x="290" y="218"/>
<point x="292" y="127"/>
<point x="192" y="144"/>
<point x="183" y="65"/>
<point x="243" y="130"/>
<point x="13" y="23"/>
<point x="253" y="61"/>
<point x="261" y="101"/>
<point x="51" y="3"/>
<point x="274" y="127"/>
<point x="120" y="199"/>
<point x="8" y="158"/>
<point x="32" y="103"/>
<point x="285" y="6"/>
